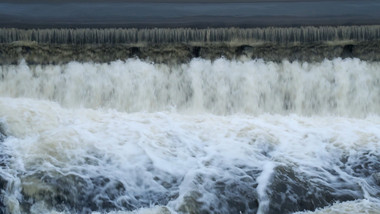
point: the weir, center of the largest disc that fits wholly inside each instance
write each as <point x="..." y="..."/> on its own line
<point x="173" y="107"/>
<point x="179" y="106"/>
<point x="199" y="135"/>
<point x="46" y="46"/>
<point x="279" y="35"/>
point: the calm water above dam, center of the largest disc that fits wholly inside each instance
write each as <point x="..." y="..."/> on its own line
<point x="121" y="14"/>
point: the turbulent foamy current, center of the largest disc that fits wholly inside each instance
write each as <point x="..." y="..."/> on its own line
<point x="220" y="136"/>
<point x="338" y="87"/>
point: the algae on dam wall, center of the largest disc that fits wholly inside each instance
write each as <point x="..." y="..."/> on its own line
<point x="34" y="53"/>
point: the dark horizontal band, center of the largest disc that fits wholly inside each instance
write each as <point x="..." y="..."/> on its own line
<point x="104" y="14"/>
<point x="247" y="36"/>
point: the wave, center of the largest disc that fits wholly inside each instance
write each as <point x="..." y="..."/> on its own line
<point x="83" y="160"/>
<point x="358" y="206"/>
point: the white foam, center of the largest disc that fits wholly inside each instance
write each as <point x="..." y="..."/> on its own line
<point x="133" y="148"/>
<point x="172" y="133"/>
<point x="336" y="87"/>
<point x="358" y="206"/>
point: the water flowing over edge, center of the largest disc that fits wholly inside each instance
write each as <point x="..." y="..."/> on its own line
<point x="168" y="45"/>
<point x="224" y="136"/>
<point x="221" y="87"/>
<point x="282" y="35"/>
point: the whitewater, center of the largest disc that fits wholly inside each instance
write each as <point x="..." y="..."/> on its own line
<point x="206" y="136"/>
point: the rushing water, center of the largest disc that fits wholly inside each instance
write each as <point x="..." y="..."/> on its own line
<point x="221" y="136"/>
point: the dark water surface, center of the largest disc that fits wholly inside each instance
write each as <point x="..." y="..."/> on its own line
<point x="133" y="14"/>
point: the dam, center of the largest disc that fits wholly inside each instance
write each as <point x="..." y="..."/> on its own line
<point x="170" y="45"/>
<point x="189" y="107"/>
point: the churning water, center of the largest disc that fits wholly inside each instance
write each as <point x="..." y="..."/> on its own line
<point x="223" y="136"/>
